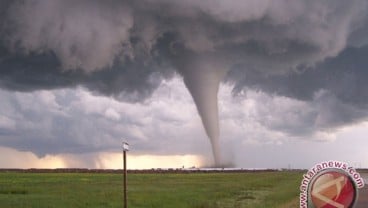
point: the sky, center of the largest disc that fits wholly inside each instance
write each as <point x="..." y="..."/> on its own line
<point x="250" y="84"/>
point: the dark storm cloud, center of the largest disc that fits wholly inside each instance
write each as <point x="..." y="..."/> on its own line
<point x="308" y="50"/>
<point x="92" y="36"/>
<point x="267" y="36"/>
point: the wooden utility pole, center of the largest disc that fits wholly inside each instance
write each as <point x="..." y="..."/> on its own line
<point x="125" y="149"/>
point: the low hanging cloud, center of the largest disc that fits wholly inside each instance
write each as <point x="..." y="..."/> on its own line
<point x="310" y="51"/>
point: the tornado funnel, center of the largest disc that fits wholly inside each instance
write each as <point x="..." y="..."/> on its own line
<point x="202" y="78"/>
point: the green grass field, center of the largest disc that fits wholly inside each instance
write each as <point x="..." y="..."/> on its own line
<point x="169" y="190"/>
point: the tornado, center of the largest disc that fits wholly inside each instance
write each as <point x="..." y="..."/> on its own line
<point x="202" y="77"/>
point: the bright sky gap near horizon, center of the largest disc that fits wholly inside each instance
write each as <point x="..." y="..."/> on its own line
<point x="78" y="76"/>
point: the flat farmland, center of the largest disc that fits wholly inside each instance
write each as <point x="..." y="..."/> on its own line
<point x="155" y="190"/>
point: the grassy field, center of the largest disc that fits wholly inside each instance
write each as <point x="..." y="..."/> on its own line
<point x="169" y="190"/>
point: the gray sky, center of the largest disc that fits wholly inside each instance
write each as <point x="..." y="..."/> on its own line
<point x="78" y="76"/>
